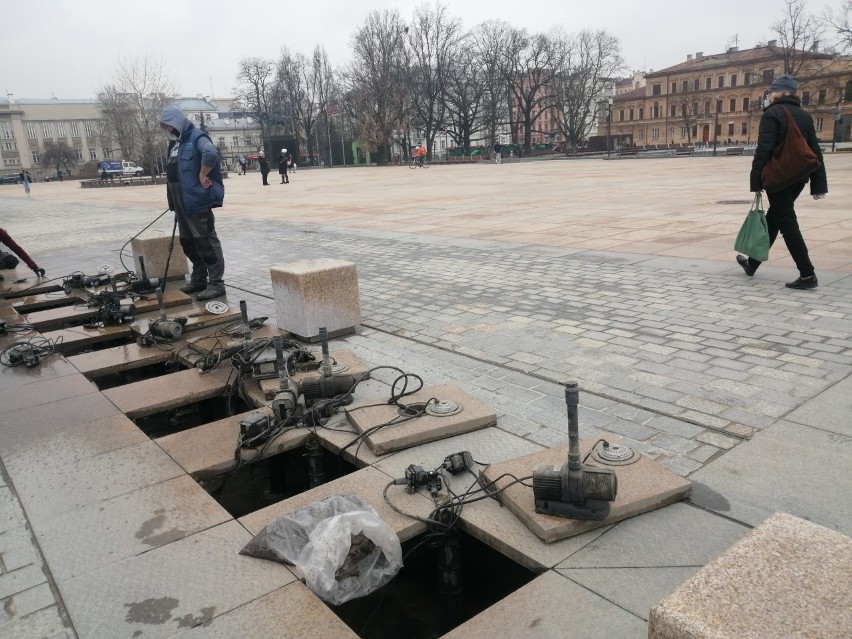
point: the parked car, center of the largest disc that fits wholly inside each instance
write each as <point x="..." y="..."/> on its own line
<point x="12" y="178"/>
<point x="130" y="168"/>
<point x="53" y="177"/>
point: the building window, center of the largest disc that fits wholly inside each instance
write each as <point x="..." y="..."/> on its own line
<point x="90" y="130"/>
<point x="655" y="134"/>
<point x="847" y="92"/>
<point x="79" y="154"/>
<point x="75" y="131"/>
<point x="683" y="131"/>
<point x="733" y="105"/>
<point x="730" y="129"/>
<point x="821" y="96"/>
<point x="640" y="134"/>
<point x="744" y="130"/>
<point x="695" y="84"/>
<point x="707" y="107"/>
<point x="10" y="146"/>
<point x="685" y="86"/>
<point x="708" y="83"/>
<point x="656" y="111"/>
<point x="818" y="124"/>
<point x="656" y="89"/>
<point x="621" y="115"/>
<point x="734" y="80"/>
<point x="673" y="87"/>
<point x="235" y="141"/>
<point x="249" y="141"/>
<point x="720" y="82"/>
<point x="718" y="106"/>
<point x="768" y="75"/>
<point x="36" y="158"/>
<point x="641" y="113"/>
<point x="694" y="130"/>
<point x="45" y="130"/>
<point x="93" y="154"/>
<point x="745" y="104"/>
<point x="60" y="129"/>
<point x="806" y="98"/>
<point x="718" y="130"/>
<point x="695" y="108"/>
<point x="31" y="131"/>
<point x="630" y="115"/>
<point x="747" y="79"/>
<point x="7" y="130"/>
<point x="674" y="110"/>
<point x="222" y="141"/>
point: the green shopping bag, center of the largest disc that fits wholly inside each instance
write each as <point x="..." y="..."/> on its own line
<point x="753" y="238"/>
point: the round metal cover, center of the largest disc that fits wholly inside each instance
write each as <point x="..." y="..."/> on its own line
<point x="339" y="368"/>
<point x="104" y="268"/>
<point x="615" y="455"/>
<point x="443" y="408"/>
<point x="217" y="308"/>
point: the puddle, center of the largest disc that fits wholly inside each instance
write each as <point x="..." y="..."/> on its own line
<point x="189" y="416"/>
<point x="446" y="580"/>
<point x="275" y="479"/>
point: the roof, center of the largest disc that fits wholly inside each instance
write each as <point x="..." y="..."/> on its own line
<point x="194" y="104"/>
<point x="224" y="124"/>
<point x="630" y="95"/>
<point x="747" y="56"/>
<point x="35" y="101"/>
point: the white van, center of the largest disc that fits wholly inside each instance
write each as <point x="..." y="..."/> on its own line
<point x="130" y="168"/>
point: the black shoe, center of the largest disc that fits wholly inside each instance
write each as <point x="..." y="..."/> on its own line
<point x="193" y="287"/>
<point x="803" y="282"/>
<point x="742" y="260"/>
<point x="212" y="291"/>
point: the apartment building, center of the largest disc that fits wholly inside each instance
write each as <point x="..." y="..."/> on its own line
<point x="718" y="97"/>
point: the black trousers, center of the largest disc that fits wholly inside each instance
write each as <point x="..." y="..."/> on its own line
<point x="781" y="217"/>
<point x="265" y="175"/>
<point x="201" y="245"/>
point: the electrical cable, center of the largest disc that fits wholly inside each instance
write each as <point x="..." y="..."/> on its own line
<point x="121" y="250"/>
<point x="29" y="352"/>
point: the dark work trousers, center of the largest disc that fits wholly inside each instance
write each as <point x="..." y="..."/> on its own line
<point x="201" y="245"/>
<point x="265" y="175"/>
<point x="781" y="217"/>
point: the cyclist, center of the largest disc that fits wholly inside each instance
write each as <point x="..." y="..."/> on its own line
<point x="420" y="154"/>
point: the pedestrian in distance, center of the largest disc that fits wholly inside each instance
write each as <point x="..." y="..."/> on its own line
<point x="284" y="160"/>
<point x="781" y="216"/>
<point x="26" y="180"/>
<point x="194" y="188"/>
<point x="498" y="153"/>
<point x="264" y="167"/>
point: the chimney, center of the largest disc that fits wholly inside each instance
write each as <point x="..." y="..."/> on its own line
<point x="733" y="49"/>
<point x="772" y="43"/>
<point x="699" y="54"/>
<point x="815" y="46"/>
<point x="688" y="57"/>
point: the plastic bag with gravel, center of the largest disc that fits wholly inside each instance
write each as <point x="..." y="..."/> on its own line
<point x="340" y="545"/>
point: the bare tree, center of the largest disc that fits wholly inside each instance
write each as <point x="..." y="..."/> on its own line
<point x="132" y="104"/>
<point x="374" y="81"/>
<point x="529" y="66"/>
<point x="688" y="113"/>
<point x="589" y="63"/>
<point x="466" y="88"/>
<point x="255" y="78"/>
<point x="431" y="37"/>
<point x="490" y="42"/>
<point x="58" y="155"/>
<point x="840" y="22"/>
<point x="798" y="32"/>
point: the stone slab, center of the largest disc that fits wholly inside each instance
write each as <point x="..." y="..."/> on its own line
<point x="51" y="367"/>
<point x="155" y="252"/>
<point x="786" y="466"/>
<point x="642" y="486"/>
<point x="46" y="391"/>
<point x="13" y="289"/>
<point x="31" y="303"/>
<point x="830" y="410"/>
<point x="419" y="430"/>
<point x="158" y="394"/>
<point x="552" y="606"/>
<point x="171" y="298"/>
<point x="354" y="366"/>
<point x="58" y="317"/>
<point x="118" y="359"/>
<point x="172" y="588"/>
<point x="88" y="538"/>
<point x="208" y="451"/>
<point x="787" y="578"/>
<point x="197" y="319"/>
<point x="367" y="483"/>
<point x="291" y="612"/>
<point x="75" y="339"/>
<point x="50" y="490"/>
<point x="311" y="294"/>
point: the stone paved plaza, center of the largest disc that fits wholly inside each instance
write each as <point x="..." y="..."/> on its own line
<point x="508" y="280"/>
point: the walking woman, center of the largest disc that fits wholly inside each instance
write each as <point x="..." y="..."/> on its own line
<point x="26" y="179"/>
<point x="781" y="216"/>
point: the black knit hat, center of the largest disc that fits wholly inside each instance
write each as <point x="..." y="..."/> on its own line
<point x="785" y="84"/>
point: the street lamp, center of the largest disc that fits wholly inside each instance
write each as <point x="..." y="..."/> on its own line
<point x="836" y="120"/>
<point x="716" y="125"/>
<point x="608" y="125"/>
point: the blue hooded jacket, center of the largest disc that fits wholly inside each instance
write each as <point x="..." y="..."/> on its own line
<point x="196" y="148"/>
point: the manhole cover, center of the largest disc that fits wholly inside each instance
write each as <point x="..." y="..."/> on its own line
<point x="443" y="408"/>
<point x="734" y="202"/>
<point x="614" y="455"/>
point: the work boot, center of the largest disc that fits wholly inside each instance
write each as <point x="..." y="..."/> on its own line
<point x="212" y="291"/>
<point x="193" y="287"/>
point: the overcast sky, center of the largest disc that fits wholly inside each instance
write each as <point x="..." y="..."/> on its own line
<point x="72" y="46"/>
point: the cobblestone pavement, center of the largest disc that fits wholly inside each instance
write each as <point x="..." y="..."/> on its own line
<point x="684" y="358"/>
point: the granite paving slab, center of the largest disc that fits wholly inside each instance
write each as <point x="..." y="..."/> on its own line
<point x="126" y="525"/>
<point x="830" y="410"/>
<point x="50" y="367"/>
<point x="77" y="338"/>
<point x="46" y="391"/>
<point x="58" y="317"/>
<point x="32" y="303"/>
<point x="173" y="588"/>
<point x="118" y="359"/>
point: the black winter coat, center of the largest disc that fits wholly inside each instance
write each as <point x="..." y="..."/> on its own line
<point x="264" y="165"/>
<point x="773" y="131"/>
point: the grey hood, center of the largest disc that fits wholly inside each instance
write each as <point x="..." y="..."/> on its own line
<point x="176" y="118"/>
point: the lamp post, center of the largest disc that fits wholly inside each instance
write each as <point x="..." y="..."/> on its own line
<point x="608" y="125"/>
<point x="716" y="126"/>
<point x="836" y="120"/>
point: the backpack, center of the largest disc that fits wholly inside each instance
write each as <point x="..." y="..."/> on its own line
<point x="7" y="260"/>
<point x="792" y="161"/>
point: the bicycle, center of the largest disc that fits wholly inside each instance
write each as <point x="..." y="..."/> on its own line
<point x="423" y="162"/>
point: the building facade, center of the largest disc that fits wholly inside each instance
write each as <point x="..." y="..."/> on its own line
<point x="718" y="98"/>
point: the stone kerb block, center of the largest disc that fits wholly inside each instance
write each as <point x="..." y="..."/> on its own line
<point x="310" y="294"/>
<point x="787" y="578"/>
<point x="155" y="252"/>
